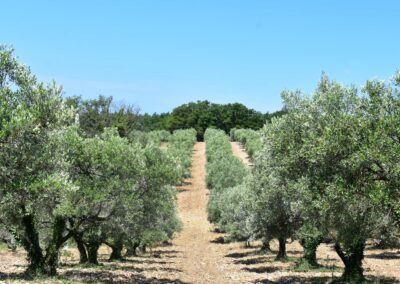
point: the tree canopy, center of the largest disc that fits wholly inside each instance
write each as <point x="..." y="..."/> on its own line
<point x="327" y="169"/>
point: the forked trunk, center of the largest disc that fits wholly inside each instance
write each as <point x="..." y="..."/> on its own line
<point x="131" y="250"/>
<point x="53" y="249"/>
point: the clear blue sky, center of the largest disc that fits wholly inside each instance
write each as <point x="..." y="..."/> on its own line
<point x="159" y="54"/>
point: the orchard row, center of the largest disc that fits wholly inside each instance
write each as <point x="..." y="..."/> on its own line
<point x="327" y="170"/>
<point x="58" y="185"/>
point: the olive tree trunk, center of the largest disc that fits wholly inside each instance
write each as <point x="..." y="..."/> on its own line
<point x="352" y="259"/>
<point x="116" y="253"/>
<point x="38" y="262"/>
<point x="282" y="249"/>
<point x="53" y="249"/>
<point x="310" y="246"/>
<point x="30" y="242"/>
<point x="83" y="255"/>
<point x="92" y="249"/>
<point x="265" y="247"/>
<point x="131" y="250"/>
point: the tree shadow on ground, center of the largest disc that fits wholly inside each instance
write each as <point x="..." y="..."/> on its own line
<point x="262" y="269"/>
<point x="116" y="266"/>
<point x="294" y="252"/>
<point x="243" y="254"/>
<point x="162" y="252"/>
<point x="90" y="277"/>
<point x="384" y="255"/>
<point x="109" y="277"/>
<point x="145" y="261"/>
<point x="321" y="279"/>
<point x="154" y="254"/>
<point x="184" y="186"/>
<point x="252" y="260"/>
<point x="219" y="240"/>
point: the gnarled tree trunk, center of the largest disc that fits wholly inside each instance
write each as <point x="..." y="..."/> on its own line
<point x="265" y="247"/>
<point x="116" y="253"/>
<point x="92" y="249"/>
<point x="310" y="246"/>
<point x="352" y="259"/>
<point x="30" y="242"/>
<point x="83" y="255"/>
<point x="131" y="250"/>
<point x="53" y="249"/>
<point x="282" y="249"/>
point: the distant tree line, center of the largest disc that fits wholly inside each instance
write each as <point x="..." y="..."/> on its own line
<point x="204" y="114"/>
<point x="97" y="114"/>
<point x="102" y="112"/>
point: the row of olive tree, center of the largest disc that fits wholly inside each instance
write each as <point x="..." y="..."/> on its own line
<point x="156" y="137"/>
<point x="328" y="169"/>
<point x="333" y="164"/>
<point x="224" y="170"/>
<point x="57" y="185"/>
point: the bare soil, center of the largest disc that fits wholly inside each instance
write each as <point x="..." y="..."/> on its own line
<point x="198" y="254"/>
<point x="164" y="145"/>
<point x="239" y="152"/>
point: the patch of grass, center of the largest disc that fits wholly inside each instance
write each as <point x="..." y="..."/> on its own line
<point x="286" y="259"/>
<point x="367" y="281"/>
<point x="302" y="266"/>
<point x="22" y="278"/>
<point x="100" y="265"/>
<point x="3" y="246"/>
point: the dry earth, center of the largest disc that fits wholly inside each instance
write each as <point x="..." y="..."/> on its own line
<point x="198" y="255"/>
<point x="239" y="152"/>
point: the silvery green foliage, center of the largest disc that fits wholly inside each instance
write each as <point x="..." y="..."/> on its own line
<point x="146" y="211"/>
<point x="180" y="147"/>
<point x="33" y="121"/>
<point x="333" y="162"/>
<point x="129" y="192"/>
<point x="347" y="140"/>
<point x="158" y="136"/>
<point x="56" y="184"/>
<point x="223" y="170"/>
<point x="144" y="138"/>
<point x="236" y="205"/>
<point x="275" y="214"/>
<point x="159" y="218"/>
<point x="34" y="181"/>
<point x="106" y="168"/>
<point x="139" y="137"/>
<point x="217" y="145"/>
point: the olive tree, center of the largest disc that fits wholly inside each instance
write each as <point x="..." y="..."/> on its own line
<point x="107" y="169"/>
<point x="235" y="205"/>
<point x="351" y="162"/>
<point x="34" y="182"/>
<point x="223" y="170"/>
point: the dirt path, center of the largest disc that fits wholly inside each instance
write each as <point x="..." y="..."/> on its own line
<point x="197" y="256"/>
<point x="239" y="152"/>
<point x="201" y="261"/>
